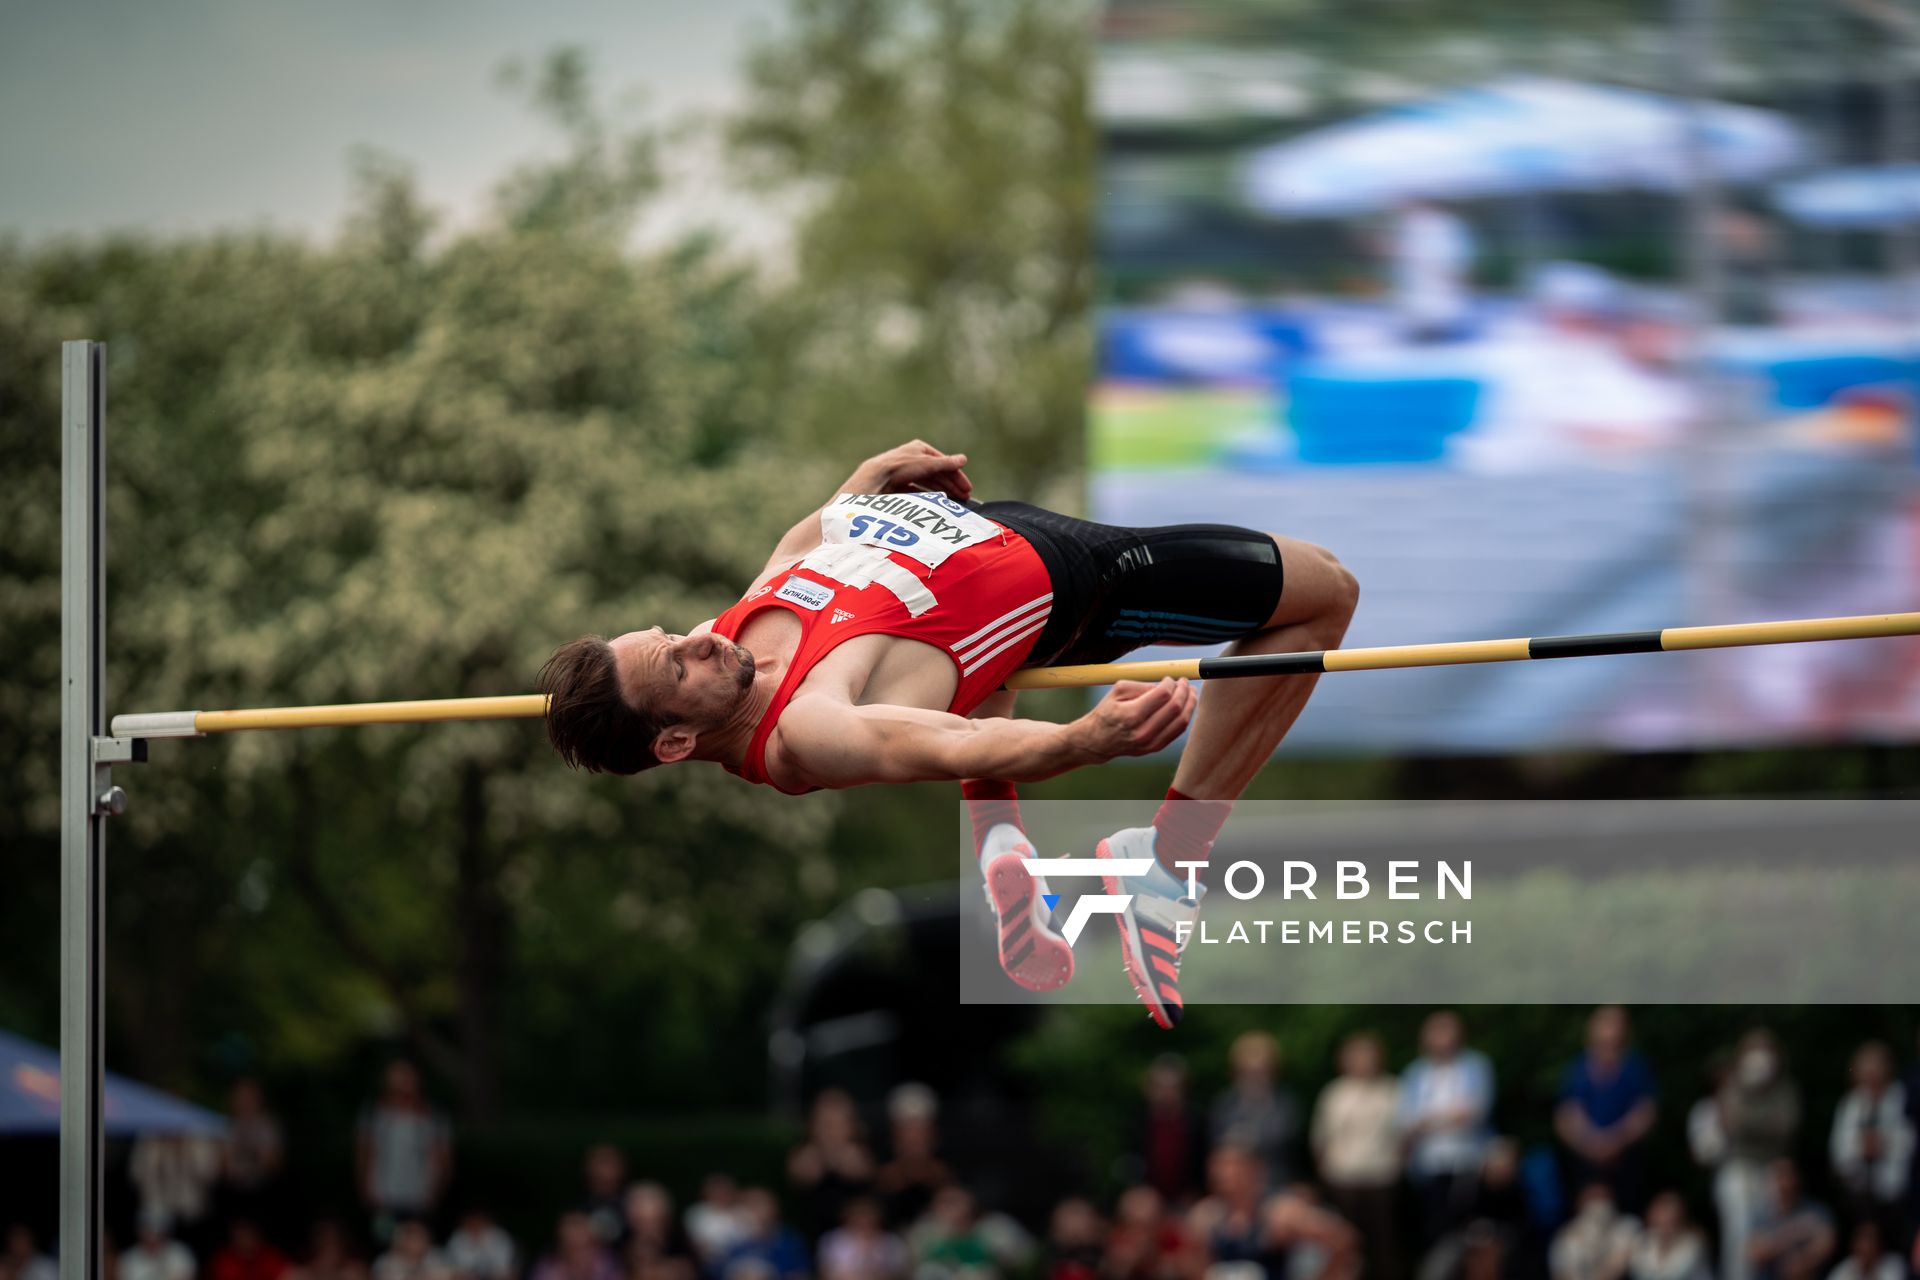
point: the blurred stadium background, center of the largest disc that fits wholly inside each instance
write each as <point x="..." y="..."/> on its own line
<point x="1550" y="320"/>
<point x="517" y="380"/>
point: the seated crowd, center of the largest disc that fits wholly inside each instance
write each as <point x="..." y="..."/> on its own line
<point x="1382" y="1178"/>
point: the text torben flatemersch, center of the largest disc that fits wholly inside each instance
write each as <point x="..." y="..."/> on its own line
<point x="1246" y="881"/>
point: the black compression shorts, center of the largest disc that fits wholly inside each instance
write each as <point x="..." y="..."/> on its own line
<point x="1116" y="590"/>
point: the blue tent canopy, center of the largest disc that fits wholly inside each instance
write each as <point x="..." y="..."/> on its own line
<point x="1514" y="136"/>
<point x="30" y="1098"/>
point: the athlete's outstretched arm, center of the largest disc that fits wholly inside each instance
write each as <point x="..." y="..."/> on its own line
<point x="913" y="465"/>
<point x="823" y="742"/>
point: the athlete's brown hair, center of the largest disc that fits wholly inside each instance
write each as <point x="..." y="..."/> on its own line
<point x="588" y="721"/>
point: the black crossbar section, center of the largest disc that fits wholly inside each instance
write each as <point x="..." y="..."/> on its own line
<point x="1265" y="664"/>
<point x="1597" y="646"/>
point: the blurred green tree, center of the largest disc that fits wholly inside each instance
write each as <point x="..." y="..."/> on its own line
<point x="937" y="159"/>
<point x="408" y="464"/>
<point x="410" y="460"/>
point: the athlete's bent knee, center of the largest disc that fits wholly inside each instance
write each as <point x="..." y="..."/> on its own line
<point x="1346" y="587"/>
<point x="1335" y="591"/>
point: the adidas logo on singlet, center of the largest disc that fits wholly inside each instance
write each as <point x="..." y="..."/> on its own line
<point x="839" y="615"/>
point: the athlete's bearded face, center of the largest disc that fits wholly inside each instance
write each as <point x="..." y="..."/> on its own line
<point x="697" y="681"/>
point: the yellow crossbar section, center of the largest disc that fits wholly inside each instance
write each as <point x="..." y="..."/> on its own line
<point x="520" y="706"/>
<point x="532" y="705"/>
<point x="1673" y="639"/>
<point x="180" y="724"/>
<point x="1794" y="631"/>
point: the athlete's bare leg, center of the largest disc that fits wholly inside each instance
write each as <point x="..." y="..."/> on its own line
<point x="1031" y="952"/>
<point x="1240" y="722"/>
<point x="1235" y="729"/>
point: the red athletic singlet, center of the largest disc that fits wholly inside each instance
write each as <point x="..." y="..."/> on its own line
<point x="917" y="565"/>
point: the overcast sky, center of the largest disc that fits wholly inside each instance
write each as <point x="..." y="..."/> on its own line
<point x="183" y="115"/>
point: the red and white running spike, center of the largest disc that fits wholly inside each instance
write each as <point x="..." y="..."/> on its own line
<point x="1031" y="952"/>
<point x="1153" y="929"/>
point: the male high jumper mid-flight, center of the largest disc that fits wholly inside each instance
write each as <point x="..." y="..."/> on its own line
<point x="873" y="645"/>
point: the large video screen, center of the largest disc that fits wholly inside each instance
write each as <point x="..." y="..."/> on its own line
<point x="1538" y="340"/>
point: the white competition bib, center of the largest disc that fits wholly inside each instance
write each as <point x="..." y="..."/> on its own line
<point x="928" y="527"/>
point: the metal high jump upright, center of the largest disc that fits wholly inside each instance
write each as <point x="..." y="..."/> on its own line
<point x="87" y="798"/>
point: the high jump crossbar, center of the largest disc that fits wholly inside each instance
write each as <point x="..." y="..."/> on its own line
<point x="527" y="706"/>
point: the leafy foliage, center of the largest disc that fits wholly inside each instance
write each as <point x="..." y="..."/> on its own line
<point x="376" y="469"/>
<point x="406" y="463"/>
<point x="941" y="153"/>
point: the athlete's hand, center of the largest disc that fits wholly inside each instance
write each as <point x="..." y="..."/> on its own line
<point x="1137" y="719"/>
<point x="913" y="465"/>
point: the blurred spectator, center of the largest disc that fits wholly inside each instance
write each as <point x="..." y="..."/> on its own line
<point x="833" y="1166"/>
<point x="174" y="1174"/>
<point x="411" y="1255"/>
<point x="1248" y="1232"/>
<point x="1313" y="1243"/>
<point x="577" y="1254"/>
<point x="156" y="1255"/>
<point x="1606" y="1110"/>
<point x="1670" y="1248"/>
<point x="1867" y="1257"/>
<point x="861" y="1248"/>
<point x="1147" y="1242"/>
<point x="907" y="1182"/>
<point x="1256" y="1112"/>
<point x="1231" y="1219"/>
<point x="1495" y="1214"/>
<point x="716" y="1221"/>
<point x="1707" y="1143"/>
<point x="948" y="1243"/>
<point x="1872" y="1143"/>
<point x="1793" y="1237"/>
<point x="1356" y="1144"/>
<point x="1598" y="1241"/>
<point x="1758" y="1109"/>
<point x="246" y="1255"/>
<point x="1431" y="255"/>
<point x="604" y="1172"/>
<point x="1014" y="1250"/>
<point x="1076" y="1241"/>
<point x="403" y="1151"/>
<point x="769" y="1248"/>
<point x="1486" y="1252"/>
<point x="1172" y="1145"/>
<point x="251" y="1156"/>
<point x="1499" y="1195"/>
<point x="480" y="1249"/>
<point x="1310" y="1255"/>
<point x="329" y="1255"/>
<point x="23" y="1259"/>
<point x="1910" y="1089"/>
<point x="1706" y="1136"/>
<point x="657" y="1249"/>
<point x="1445" y="1098"/>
